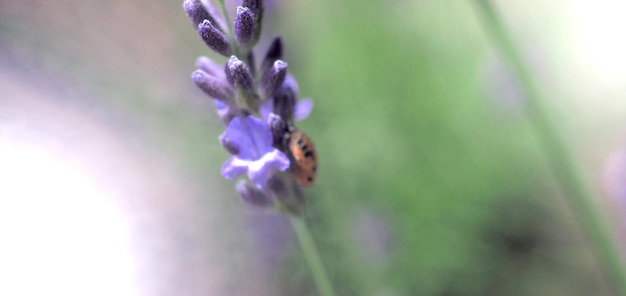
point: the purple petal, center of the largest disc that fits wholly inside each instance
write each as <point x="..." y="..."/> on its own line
<point x="234" y="167"/>
<point x="224" y="111"/>
<point x="303" y="109"/>
<point x="220" y="106"/>
<point x="261" y="171"/>
<point x="251" y="135"/>
<point x="266" y="108"/>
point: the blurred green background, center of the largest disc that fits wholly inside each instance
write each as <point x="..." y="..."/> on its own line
<point x="431" y="181"/>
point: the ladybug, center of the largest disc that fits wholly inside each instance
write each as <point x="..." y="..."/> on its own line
<point x="304" y="166"/>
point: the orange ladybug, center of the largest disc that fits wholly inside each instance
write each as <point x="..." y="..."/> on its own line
<point x="304" y="167"/>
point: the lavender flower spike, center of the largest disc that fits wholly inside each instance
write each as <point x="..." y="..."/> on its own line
<point x="213" y="86"/>
<point x="252" y="137"/>
<point x="214" y="38"/>
<point x="253" y="196"/>
<point x="198" y="12"/>
<point x="273" y="79"/>
<point x="245" y="27"/>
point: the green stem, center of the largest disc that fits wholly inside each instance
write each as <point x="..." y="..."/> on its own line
<point x="229" y="25"/>
<point x="312" y="257"/>
<point x="574" y="188"/>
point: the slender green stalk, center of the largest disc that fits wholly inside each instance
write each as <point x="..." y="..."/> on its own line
<point x="312" y="257"/>
<point x="574" y="188"/>
<point x="226" y="18"/>
<point x="229" y="25"/>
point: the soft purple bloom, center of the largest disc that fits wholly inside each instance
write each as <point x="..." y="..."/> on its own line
<point x="252" y="138"/>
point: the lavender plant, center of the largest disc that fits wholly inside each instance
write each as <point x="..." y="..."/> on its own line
<point x="258" y="105"/>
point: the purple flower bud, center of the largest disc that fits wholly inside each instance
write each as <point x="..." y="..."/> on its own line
<point x="244" y="27"/>
<point x="301" y="110"/>
<point x="273" y="79"/>
<point x="198" y="12"/>
<point x="209" y="66"/>
<point x="214" y="38"/>
<point x="253" y="196"/>
<point x="256" y="155"/>
<point x="238" y="74"/>
<point x="277" y="185"/>
<point x="291" y="83"/>
<point x="274" y="52"/>
<point x="256" y="6"/>
<point x="279" y="130"/>
<point x="212" y="86"/>
<point x="285" y="103"/>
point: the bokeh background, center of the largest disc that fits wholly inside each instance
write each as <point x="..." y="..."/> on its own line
<point x="431" y="179"/>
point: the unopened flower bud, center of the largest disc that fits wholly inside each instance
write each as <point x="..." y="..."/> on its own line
<point x="285" y="102"/>
<point x="238" y="74"/>
<point x="214" y="38"/>
<point x="198" y="12"/>
<point x="212" y="86"/>
<point x="279" y="129"/>
<point x="256" y="7"/>
<point x="277" y="185"/>
<point x="273" y="79"/>
<point x="209" y="66"/>
<point x="274" y="52"/>
<point x="244" y="27"/>
<point x="253" y="196"/>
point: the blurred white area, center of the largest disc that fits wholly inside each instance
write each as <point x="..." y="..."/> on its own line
<point x="60" y="234"/>
<point x="88" y="206"/>
<point x="599" y="44"/>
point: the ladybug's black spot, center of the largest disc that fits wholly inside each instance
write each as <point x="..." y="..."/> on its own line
<point x="314" y="168"/>
<point x="299" y="142"/>
<point x="305" y="147"/>
<point x="308" y="154"/>
<point x="310" y="179"/>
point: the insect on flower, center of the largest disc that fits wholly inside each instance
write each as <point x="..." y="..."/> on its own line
<point x="304" y="167"/>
